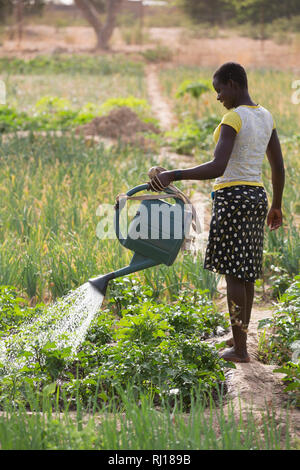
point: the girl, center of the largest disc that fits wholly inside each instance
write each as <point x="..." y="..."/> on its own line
<point x="235" y="245"/>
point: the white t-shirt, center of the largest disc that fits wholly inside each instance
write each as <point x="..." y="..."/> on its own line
<point x="254" y="126"/>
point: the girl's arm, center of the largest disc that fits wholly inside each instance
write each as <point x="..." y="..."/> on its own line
<point x="209" y="170"/>
<point x="274" y="154"/>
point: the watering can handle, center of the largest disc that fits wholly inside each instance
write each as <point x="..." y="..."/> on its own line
<point x="131" y="192"/>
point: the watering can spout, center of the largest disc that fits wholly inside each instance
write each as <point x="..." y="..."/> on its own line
<point x="100" y="283"/>
<point x="137" y="263"/>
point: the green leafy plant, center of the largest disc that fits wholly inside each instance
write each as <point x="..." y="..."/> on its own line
<point x="14" y="310"/>
<point x="195" y="89"/>
<point x="127" y="292"/>
<point x="70" y="64"/>
<point x="291" y="380"/>
<point x="55" y="113"/>
<point x="284" y="325"/>
<point x="194" y="312"/>
<point x="192" y="134"/>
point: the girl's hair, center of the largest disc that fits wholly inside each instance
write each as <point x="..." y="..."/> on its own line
<point x="234" y="71"/>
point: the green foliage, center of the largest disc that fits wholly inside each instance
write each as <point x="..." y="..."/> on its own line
<point x="195" y="89"/>
<point x="195" y="311"/>
<point x="138" y="425"/>
<point x="14" y="310"/>
<point x="158" y="54"/>
<point x="280" y="341"/>
<point x="264" y="10"/>
<point x="193" y="134"/>
<point x="284" y="325"/>
<point x="201" y="10"/>
<point x="216" y="11"/>
<point x="29" y="7"/>
<point x="281" y="257"/>
<point x="130" y="102"/>
<point x="127" y="292"/>
<point x="158" y="348"/>
<point x="70" y="65"/>
<point x="291" y="381"/>
<point x="55" y="113"/>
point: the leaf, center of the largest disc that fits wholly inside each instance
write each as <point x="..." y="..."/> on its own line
<point x="292" y="386"/>
<point x="264" y="322"/>
<point x="103" y="396"/>
<point x="49" y="389"/>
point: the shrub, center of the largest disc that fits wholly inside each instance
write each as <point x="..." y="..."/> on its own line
<point x="280" y="341"/>
<point x="158" y="54"/>
<point x="192" y="134"/>
<point x="284" y="326"/>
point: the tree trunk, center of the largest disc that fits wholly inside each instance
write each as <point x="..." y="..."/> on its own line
<point x="19" y="7"/>
<point x="103" y="32"/>
<point x="262" y="26"/>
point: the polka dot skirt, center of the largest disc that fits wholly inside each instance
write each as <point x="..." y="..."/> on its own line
<point x="236" y="236"/>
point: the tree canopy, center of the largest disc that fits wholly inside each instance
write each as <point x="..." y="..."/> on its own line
<point x="242" y="10"/>
<point x="29" y="7"/>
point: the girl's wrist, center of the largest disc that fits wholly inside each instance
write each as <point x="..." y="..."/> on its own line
<point x="176" y="175"/>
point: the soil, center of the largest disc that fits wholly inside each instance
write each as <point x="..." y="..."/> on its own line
<point x="121" y="123"/>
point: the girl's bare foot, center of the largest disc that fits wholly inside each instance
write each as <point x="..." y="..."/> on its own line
<point x="231" y="355"/>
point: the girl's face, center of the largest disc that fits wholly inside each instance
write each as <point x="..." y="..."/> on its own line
<point x="227" y="92"/>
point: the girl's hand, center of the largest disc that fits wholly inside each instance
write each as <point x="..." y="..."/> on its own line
<point x="160" y="181"/>
<point x="274" y="218"/>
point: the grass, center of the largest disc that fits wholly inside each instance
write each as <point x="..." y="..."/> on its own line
<point x="79" y="90"/>
<point x="141" y="426"/>
<point x="48" y="211"/>
<point x="80" y="80"/>
<point x="271" y="88"/>
<point x="52" y="188"/>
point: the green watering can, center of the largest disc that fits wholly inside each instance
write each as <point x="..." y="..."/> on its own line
<point x="155" y="234"/>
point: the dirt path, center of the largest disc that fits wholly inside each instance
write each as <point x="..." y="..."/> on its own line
<point x="251" y="383"/>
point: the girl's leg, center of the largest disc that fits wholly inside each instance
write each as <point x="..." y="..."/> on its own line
<point x="249" y="286"/>
<point x="240" y="311"/>
<point x="250" y="296"/>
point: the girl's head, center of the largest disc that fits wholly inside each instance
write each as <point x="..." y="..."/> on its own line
<point x="230" y="81"/>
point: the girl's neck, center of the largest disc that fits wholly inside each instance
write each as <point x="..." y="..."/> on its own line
<point x="245" y="99"/>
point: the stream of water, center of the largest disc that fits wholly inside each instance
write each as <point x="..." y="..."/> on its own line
<point x="64" y="323"/>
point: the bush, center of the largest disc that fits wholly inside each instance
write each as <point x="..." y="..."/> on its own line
<point x="284" y="326"/>
<point x="14" y="310"/>
<point x="280" y="341"/>
<point x="192" y="134"/>
<point x="158" y="54"/>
